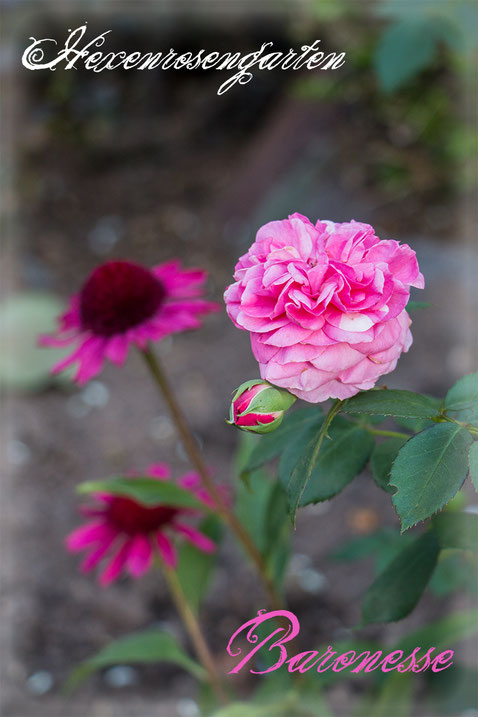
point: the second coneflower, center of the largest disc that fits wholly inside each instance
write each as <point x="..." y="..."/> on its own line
<point x="125" y="534"/>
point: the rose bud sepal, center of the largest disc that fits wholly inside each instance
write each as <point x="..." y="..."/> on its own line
<point x="258" y="406"/>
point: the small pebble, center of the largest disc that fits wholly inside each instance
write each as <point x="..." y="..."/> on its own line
<point x="169" y="627"/>
<point x="95" y="394"/>
<point x="18" y="453"/>
<point x="187" y="708"/>
<point x="311" y="581"/>
<point x="76" y="407"/>
<point x="40" y="682"/>
<point x="121" y="676"/>
<point x="298" y="562"/>
<point x="105" y="235"/>
<point x="343" y="633"/>
<point x="161" y="428"/>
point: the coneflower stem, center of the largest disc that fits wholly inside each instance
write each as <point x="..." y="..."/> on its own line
<point x="192" y="626"/>
<point x="192" y="450"/>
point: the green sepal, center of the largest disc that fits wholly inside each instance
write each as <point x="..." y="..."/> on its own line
<point x="270" y="400"/>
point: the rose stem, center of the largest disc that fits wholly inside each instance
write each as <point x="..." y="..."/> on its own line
<point x="192" y="626"/>
<point x="192" y="450"/>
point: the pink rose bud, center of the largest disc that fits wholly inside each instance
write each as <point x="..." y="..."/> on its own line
<point x="259" y="407"/>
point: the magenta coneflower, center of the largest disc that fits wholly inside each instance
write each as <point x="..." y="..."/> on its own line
<point x="126" y="533"/>
<point x="123" y="303"/>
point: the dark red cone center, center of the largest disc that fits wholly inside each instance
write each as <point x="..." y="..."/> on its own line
<point x="117" y="296"/>
<point x="131" y="517"/>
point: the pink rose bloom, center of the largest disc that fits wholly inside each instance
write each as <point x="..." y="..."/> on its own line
<point x="325" y="305"/>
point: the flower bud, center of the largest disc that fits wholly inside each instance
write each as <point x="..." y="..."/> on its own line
<point x="259" y="407"/>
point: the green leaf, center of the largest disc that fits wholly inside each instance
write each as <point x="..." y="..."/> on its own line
<point x="405" y="48"/>
<point x="473" y="462"/>
<point x="25" y="366"/>
<point x="381" y="461"/>
<point x="396" y="591"/>
<point x="275" y="517"/>
<point x="141" y="647"/>
<point x="261" y="507"/>
<point x="296" y="482"/>
<point x="195" y="566"/>
<point x="414" y="305"/>
<point x="360" y="546"/>
<point x="241" y="709"/>
<point x="339" y="461"/>
<point x="342" y="455"/>
<point x="277" y="534"/>
<point x="415" y="425"/>
<point x="453" y="23"/>
<point x="271" y="445"/>
<point x="464" y="394"/>
<point x="293" y="450"/>
<point x="148" y="491"/>
<point x="452" y="692"/>
<point x="271" y="685"/>
<point x="385" y="544"/>
<point x="252" y="502"/>
<point x="278" y="558"/>
<point x="441" y="633"/>
<point x="456" y="530"/>
<point x="394" y="698"/>
<point x="452" y="573"/>
<point x="246" y="442"/>
<point x="367" y="419"/>
<point x="291" y="703"/>
<point x="428" y="471"/>
<point x="312" y="678"/>
<point x="467" y="415"/>
<point x="458" y="503"/>
<point x="390" y="548"/>
<point x="392" y="402"/>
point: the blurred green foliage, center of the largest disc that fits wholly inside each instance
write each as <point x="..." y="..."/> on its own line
<point x="410" y="66"/>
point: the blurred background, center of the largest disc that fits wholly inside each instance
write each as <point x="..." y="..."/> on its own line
<point x="153" y="165"/>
